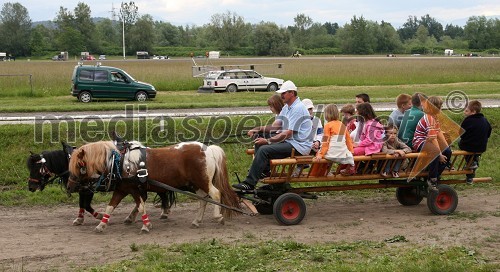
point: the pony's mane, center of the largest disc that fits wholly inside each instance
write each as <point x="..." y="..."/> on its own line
<point x="94" y="156"/>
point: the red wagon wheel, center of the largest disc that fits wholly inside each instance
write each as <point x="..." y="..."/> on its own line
<point x="443" y="201"/>
<point x="289" y="209"/>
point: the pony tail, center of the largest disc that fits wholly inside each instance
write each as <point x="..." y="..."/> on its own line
<point x="221" y="181"/>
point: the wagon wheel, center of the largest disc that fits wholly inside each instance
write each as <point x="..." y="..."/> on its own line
<point x="289" y="209"/>
<point x="408" y="196"/>
<point x="264" y="208"/>
<point x="269" y="194"/>
<point x="443" y="201"/>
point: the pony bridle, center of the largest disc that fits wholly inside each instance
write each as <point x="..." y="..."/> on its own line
<point x="83" y="167"/>
<point x="44" y="171"/>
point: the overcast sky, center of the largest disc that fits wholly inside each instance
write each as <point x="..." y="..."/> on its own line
<point x="282" y="12"/>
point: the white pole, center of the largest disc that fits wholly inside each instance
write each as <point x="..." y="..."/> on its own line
<point x="123" y="31"/>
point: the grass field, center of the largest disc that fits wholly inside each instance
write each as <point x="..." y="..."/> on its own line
<point x="323" y="80"/>
<point x="292" y="256"/>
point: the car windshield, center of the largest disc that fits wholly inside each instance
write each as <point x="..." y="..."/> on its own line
<point x="256" y="75"/>
<point x="129" y="76"/>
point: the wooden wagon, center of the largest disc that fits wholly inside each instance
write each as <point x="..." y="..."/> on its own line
<point x="288" y="184"/>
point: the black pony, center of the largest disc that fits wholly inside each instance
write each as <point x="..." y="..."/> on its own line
<point x="51" y="165"/>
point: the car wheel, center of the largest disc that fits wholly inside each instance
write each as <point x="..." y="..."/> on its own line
<point x="141" y="96"/>
<point x="232" y="88"/>
<point x="85" y="97"/>
<point x="272" y="87"/>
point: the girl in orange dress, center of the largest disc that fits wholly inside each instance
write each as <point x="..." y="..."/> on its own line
<point x="336" y="143"/>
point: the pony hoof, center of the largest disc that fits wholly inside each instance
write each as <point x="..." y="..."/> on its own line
<point x="98" y="229"/>
<point x="164" y="216"/>
<point x="195" y="225"/>
<point x="221" y="221"/>
<point x="145" y="229"/>
<point x="78" y="221"/>
<point x="99" y="216"/>
<point x="128" y="221"/>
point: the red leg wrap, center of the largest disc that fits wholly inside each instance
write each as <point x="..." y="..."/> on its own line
<point x="145" y="219"/>
<point x="95" y="214"/>
<point x="105" y="218"/>
<point x="81" y="212"/>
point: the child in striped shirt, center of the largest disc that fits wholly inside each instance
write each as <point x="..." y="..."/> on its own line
<point x="428" y="136"/>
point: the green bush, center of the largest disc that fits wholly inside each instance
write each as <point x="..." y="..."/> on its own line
<point x="242" y="51"/>
<point x="322" y="51"/>
<point x="418" y="50"/>
<point x="492" y="51"/>
<point x="177" y="51"/>
<point x="112" y="50"/>
<point x="186" y="51"/>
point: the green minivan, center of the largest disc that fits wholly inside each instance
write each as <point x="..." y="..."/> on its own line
<point x="97" y="81"/>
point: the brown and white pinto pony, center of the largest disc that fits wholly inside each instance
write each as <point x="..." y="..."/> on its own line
<point x="189" y="166"/>
<point x="86" y="167"/>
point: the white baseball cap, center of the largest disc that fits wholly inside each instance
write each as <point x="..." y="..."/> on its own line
<point x="287" y="86"/>
<point x="308" y="103"/>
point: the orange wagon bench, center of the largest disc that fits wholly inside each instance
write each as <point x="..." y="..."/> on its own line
<point x="288" y="184"/>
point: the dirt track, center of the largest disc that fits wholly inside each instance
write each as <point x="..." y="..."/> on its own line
<point x="41" y="238"/>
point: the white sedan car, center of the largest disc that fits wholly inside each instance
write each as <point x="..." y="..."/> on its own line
<point x="239" y="80"/>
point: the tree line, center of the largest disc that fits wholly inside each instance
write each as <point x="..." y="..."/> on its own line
<point x="77" y="31"/>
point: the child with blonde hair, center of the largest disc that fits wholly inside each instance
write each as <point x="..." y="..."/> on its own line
<point x="336" y="143"/>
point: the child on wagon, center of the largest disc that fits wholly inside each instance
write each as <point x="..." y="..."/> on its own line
<point x="275" y="104"/>
<point x="393" y="146"/>
<point x="336" y="144"/>
<point x="403" y="101"/>
<point x="429" y="137"/>
<point x="372" y="131"/>
<point x="475" y="138"/>
<point x="348" y="118"/>
<point x="317" y="127"/>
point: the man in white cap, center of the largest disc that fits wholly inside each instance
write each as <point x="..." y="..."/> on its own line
<point x="295" y="134"/>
